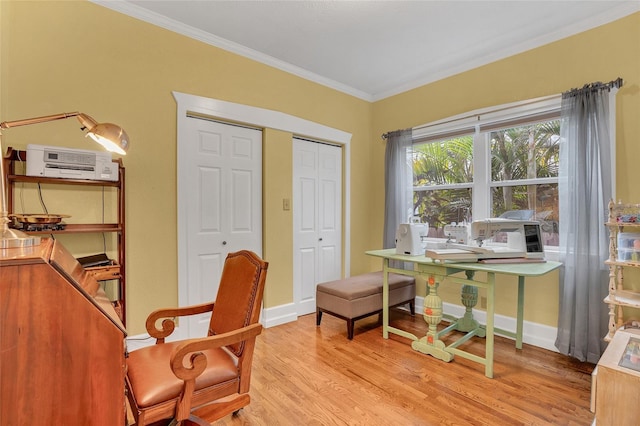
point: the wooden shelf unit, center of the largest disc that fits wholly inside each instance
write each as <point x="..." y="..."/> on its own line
<point x="14" y="157"/>
<point x="620" y="295"/>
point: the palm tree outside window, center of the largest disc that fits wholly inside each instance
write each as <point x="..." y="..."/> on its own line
<point x="521" y="181"/>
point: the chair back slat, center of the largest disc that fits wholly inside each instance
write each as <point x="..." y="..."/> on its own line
<point x="239" y="298"/>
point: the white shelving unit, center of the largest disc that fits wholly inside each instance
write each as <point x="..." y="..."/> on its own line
<point x="624" y="252"/>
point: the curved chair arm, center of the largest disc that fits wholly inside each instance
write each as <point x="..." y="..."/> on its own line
<point x="192" y="368"/>
<point x="188" y="362"/>
<point x="169" y="315"/>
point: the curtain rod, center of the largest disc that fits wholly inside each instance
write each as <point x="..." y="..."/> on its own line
<point x="617" y="83"/>
<point x="592" y="87"/>
<point x="385" y="136"/>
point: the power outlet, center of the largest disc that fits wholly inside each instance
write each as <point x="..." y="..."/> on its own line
<point x="483" y="302"/>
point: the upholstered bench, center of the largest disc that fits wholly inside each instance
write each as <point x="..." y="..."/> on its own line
<point x="360" y="296"/>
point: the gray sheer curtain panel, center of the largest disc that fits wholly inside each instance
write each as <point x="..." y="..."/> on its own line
<point x="585" y="187"/>
<point x="397" y="185"/>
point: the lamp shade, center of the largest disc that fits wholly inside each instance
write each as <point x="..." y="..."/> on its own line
<point x="111" y="136"/>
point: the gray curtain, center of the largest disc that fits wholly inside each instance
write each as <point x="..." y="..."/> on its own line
<point x="398" y="191"/>
<point x="585" y="188"/>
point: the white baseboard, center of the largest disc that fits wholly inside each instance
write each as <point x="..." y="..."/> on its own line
<point x="139" y="341"/>
<point x="279" y="315"/>
<point x="270" y="317"/>
<point x="542" y="336"/>
<point x="142" y="340"/>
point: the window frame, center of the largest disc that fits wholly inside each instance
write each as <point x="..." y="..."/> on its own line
<point x="480" y="123"/>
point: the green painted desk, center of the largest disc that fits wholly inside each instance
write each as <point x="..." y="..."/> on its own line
<point x="435" y="272"/>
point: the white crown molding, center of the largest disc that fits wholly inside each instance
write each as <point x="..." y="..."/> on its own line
<point x="142" y="14"/>
<point x="447" y="70"/>
<point x="612" y="14"/>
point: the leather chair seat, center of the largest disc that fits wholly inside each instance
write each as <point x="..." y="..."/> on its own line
<point x="153" y="382"/>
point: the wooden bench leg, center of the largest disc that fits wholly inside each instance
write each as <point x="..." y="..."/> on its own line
<point x="350" y="323"/>
<point x="318" y="316"/>
<point x="412" y="308"/>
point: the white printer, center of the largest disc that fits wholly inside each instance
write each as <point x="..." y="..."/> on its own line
<point x="57" y="162"/>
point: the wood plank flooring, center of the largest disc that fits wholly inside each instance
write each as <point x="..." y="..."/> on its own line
<point x="308" y="375"/>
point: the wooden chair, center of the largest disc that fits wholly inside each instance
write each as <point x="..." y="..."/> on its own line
<point x="204" y="378"/>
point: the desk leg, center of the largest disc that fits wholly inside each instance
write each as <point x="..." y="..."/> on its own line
<point x="469" y="296"/>
<point x="385" y="299"/>
<point x="491" y="298"/>
<point x="431" y="344"/>
<point x="520" y="314"/>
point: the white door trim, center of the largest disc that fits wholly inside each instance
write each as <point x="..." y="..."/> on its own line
<point x="261" y="118"/>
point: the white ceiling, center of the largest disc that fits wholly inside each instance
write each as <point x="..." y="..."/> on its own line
<point x="375" y="49"/>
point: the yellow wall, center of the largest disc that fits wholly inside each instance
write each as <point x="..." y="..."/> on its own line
<point x="68" y="56"/>
<point x="61" y="56"/>
<point x="601" y="54"/>
<point x="278" y="223"/>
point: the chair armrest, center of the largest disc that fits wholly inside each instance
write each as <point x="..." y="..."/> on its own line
<point x="169" y="315"/>
<point x="189" y="369"/>
<point x="188" y="362"/>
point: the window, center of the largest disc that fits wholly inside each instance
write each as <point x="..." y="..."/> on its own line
<point x="501" y="162"/>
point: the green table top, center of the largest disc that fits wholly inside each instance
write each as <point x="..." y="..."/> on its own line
<point x="521" y="269"/>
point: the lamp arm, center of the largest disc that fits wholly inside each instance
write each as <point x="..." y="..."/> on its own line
<point x="36" y="120"/>
<point x="4" y="214"/>
<point x="111" y="137"/>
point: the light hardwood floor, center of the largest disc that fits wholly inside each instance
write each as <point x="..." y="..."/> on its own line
<point x="308" y="375"/>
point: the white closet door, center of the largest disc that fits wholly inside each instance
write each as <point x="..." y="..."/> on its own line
<point x="223" y="172"/>
<point x="317" y="219"/>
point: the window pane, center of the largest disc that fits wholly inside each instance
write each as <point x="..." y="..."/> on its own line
<point x="443" y="162"/>
<point x="529" y="202"/>
<point x="447" y="162"/>
<point x="525" y="152"/>
<point x="440" y="207"/>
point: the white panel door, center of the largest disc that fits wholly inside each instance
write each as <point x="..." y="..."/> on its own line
<point x="224" y="207"/>
<point x="317" y="219"/>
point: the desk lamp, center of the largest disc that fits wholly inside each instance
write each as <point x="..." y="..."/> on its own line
<point x="113" y="138"/>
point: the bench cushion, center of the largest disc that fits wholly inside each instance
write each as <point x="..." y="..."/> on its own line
<point x="363" y="285"/>
<point x="361" y="295"/>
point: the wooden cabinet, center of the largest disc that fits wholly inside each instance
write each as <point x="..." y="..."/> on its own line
<point x="62" y="348"/>
<point x="617" y="398"/>
<point x="14" y="168"/>
<point x="624" y="253"/>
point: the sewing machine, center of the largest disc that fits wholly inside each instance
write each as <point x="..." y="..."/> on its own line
<point x="411" y="238"/>
<point x="486" y="239"/>
<point x="457" y="232"/>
